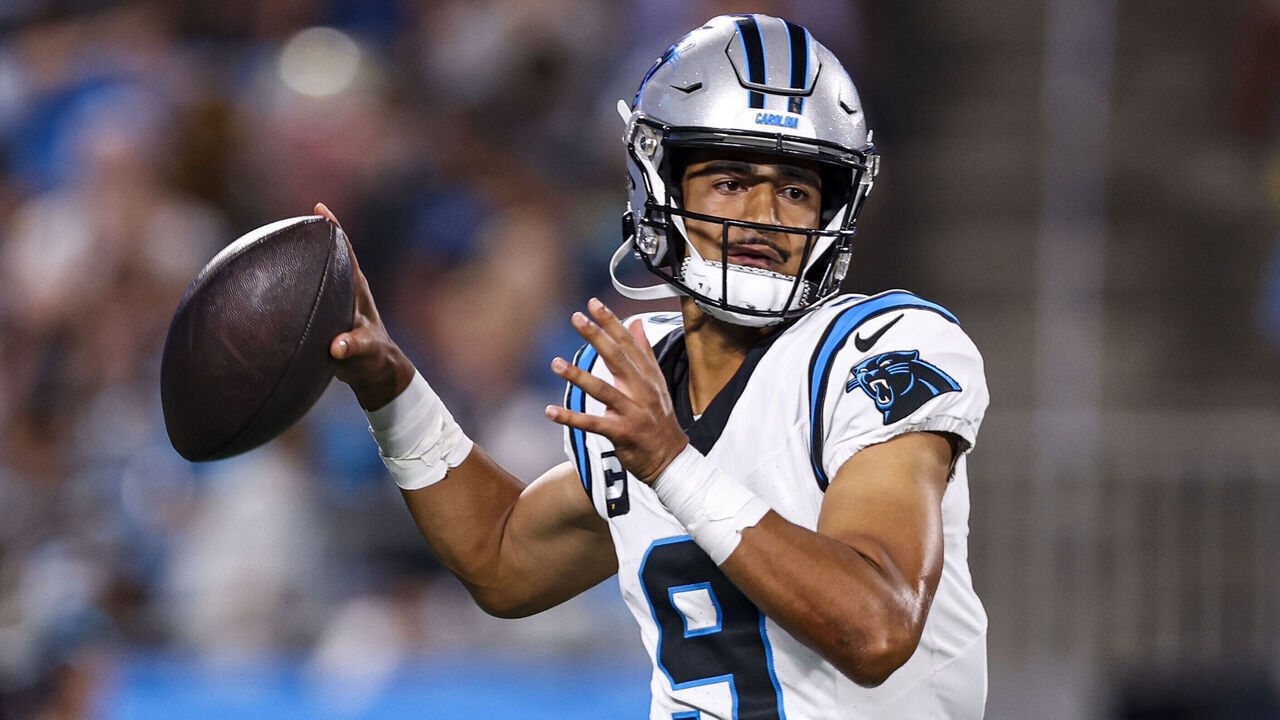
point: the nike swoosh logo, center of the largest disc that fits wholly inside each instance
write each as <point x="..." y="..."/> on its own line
<point x="865" y="343"/>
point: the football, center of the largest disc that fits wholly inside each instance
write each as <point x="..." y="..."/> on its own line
<point x="247" y="352"/>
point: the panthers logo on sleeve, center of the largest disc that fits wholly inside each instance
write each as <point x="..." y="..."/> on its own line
<point x="899" y="382"/>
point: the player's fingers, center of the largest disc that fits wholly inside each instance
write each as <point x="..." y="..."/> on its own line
<point x="322" y="209"/>
<point x="616" y="360"/>
<point x="591" y="423"/>
<point x="355" y="261"/>
<point x="595" y="387"/>
<point x="364" y="297"/>
<point x="612" y="326"/>
<point x="361" y="340"/>
<point x="636" y="328"/>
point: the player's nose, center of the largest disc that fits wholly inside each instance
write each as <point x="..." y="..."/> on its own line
<point x="761" y="204"/>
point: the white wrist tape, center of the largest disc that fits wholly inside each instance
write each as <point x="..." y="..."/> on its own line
<point x="417" y="437"/>
<point x="712" y="506"/>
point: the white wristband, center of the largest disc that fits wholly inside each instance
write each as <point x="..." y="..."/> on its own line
<point x="712" y="506"/>
<point x="417" y="437"/>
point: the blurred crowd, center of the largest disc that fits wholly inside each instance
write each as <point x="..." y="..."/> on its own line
<point x="472" y="152"/>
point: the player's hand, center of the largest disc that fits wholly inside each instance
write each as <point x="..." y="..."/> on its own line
<point x="368" y="360"/>
<point x="639" y="418"/>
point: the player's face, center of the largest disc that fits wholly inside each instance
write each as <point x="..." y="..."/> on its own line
<point x="755" y="188"/>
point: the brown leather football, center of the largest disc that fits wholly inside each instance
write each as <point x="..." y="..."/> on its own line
<point x="248" y="349"/>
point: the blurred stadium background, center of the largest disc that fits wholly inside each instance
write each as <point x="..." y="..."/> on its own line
<point x="1092" y="185"/>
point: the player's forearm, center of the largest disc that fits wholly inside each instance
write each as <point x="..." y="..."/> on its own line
<point x="463" y="518"/>
<point x="465" y="505"/>
<point x="856" y="609"/>
<point x="853" y="605"/>
<point x="517" y="549"/>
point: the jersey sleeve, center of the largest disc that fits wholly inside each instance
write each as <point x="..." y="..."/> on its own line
<point x="575" y="440"/>
<point x="898" y="372"/>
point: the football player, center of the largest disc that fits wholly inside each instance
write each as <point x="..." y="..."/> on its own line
<point x="776" y="473"/>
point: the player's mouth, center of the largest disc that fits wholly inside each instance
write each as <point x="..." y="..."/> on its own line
<point x="755" y="255"/>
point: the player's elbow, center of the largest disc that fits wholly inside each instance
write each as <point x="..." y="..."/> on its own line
<point x="500" y="604"/>
<point x="497" y="608"/>
<point x="508" y="612"/>
<point x="882" y="649"/>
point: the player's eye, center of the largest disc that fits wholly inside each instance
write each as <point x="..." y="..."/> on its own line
<point x="728" y="185"/>
<point x="792" y="192"/>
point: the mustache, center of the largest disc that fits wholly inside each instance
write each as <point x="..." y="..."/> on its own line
<point x="756" y="239"/>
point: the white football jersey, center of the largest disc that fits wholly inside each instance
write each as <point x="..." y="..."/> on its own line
<point x="855" y="372"/>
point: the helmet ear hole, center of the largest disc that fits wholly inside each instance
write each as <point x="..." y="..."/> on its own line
<point x="819" y="267"/>
<point x="837" y="189"/>
<point x="674" y="163"/>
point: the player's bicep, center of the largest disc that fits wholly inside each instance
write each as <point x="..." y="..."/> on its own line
<point x="557" y="508"/>
<point x="555" y="545"/>
<point x="886" y="502"/>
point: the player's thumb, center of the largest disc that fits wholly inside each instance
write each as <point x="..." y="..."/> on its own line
<point x="350" y="344"/>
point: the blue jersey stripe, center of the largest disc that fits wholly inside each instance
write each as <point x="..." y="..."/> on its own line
<point x="577" y="401"/>
<point x="832" y="340"/>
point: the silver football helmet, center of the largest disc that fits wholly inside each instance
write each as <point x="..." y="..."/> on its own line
<point x="758" y="84"/>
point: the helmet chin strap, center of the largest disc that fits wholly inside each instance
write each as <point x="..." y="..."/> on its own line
<point x="747" y="287"/>
<point x="660" y="291"/>
<point x="769" y="286"/>
<point x="735" y="318"/>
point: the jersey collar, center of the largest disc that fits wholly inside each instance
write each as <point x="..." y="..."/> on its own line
<point x="673" y="358"/>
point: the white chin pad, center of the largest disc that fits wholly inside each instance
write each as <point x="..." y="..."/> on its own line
<point x="748" y="287"/>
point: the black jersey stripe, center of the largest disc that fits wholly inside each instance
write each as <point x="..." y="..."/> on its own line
<point x="833" y="339"/>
